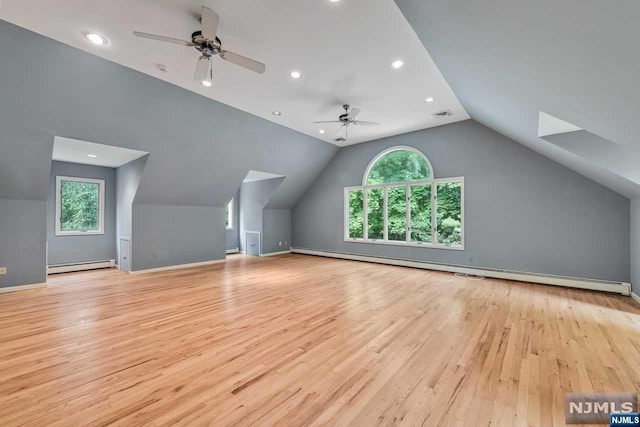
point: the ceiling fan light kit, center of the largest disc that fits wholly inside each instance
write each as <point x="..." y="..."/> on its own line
<point x="207" y="42"/>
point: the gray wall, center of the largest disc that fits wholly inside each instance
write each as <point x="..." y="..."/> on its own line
<point x="143" y="113"/>
<point x="276" y="230"/>
<point x="233" y="236"/>
<point x="24" y="178"/>
<point x="69" y="249"/>
<point x="254" y="196"/>
<point x="635" y="245"/>
<point x="23" y="227"/>
<point x="127" y="180"/>
<point x="173" y="235"/>
<point x="523" y="212"/>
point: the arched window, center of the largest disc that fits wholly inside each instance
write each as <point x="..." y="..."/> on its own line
<point x="401" y="203"/>
<point x="398" y="164"/>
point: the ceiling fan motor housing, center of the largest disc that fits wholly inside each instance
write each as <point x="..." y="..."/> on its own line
<point x="205" y="46"/>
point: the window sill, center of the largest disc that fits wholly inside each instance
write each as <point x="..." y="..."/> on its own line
<point x="408" y="244"/>
<point x="79" y="233"/>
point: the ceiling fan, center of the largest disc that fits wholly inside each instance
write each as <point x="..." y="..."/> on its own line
<point x="208" y="44"/>
<point x="347" y="119"/>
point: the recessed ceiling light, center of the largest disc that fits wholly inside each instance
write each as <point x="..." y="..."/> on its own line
<point x="207" y="83"/>
<point x="321" y="131"/>
<point x="334" y="1"/>
<point x="277" y="113"/>
<point x="295" y="75"/>
<point x="96" y="39"/>
<point x="397" y="64"/>
<point x="430" y="99"/>
<point x="93" y="156"/>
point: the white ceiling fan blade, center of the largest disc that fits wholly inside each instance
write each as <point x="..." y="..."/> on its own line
<point x="202" y="69"/>
<point x="361" y="123"/>
<point x="162" y="38"/>
<point x="243" y="61"/>
<point x="354" y="112"/>
<point x="210" y="21"/>
<point x="329" y="121"/>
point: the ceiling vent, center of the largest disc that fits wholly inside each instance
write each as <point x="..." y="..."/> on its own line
<point x="443" y="113"/>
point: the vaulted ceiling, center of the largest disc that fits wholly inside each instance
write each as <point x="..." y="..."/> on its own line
<point x="508" y="60"/>
<point x="344" y="51"/>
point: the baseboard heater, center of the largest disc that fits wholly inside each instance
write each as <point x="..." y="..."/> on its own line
<point x="545" y="279"/>
<point x="80" y="266"/>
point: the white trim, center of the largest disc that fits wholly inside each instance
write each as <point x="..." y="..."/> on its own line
<point x="635" y="297"/>
<point x="390" y="150"/>
<point x="80" y="266"/>
<point x="101" y="189"/>
<point x="178" y="267"/>
<point x="233" y="251"/>
<point x="275" y="253"/>
<point x="571" y="282"/>
<point x="22" y="288"/>
<point x="231" y="215"/>
<point x="434" y="205"/>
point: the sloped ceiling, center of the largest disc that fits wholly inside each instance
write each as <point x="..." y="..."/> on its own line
<point x="200" y="150"/>
<point x="507" y="60"/>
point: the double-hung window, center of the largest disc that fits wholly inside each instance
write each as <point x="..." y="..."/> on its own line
<point x="79" y="206"/>
<point x="400" y="203"/>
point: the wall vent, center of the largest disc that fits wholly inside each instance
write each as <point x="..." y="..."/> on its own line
<point x="441" y="114"/>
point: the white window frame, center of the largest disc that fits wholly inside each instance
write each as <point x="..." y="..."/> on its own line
<point x="59" y="231"/>
<point x="230" y="206"/>
<point x="408" y="184"/>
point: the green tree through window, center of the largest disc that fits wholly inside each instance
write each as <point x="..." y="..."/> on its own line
<point x="80" y="206"/>
<point x="401" y="192"/>
<point x="399" y="166"/>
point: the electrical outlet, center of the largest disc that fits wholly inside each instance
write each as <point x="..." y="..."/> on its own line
<point x="280" y="243"/>
<point x="3" y="271"/>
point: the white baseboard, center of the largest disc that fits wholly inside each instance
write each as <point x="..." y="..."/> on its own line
<point x="275" y="253"/>
<point x="23" y="287"/>
<point x="81" y="266"/>
<point x="635" y="297"/>
<point x="178" y="267"/>
<point x="571" y="282"/>
<point x="233" y="251"/>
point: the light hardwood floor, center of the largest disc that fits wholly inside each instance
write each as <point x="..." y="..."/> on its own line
<point x="300" y="340"/>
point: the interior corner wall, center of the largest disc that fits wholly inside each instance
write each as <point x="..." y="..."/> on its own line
<point x="71" y="249"/>
<point x="276" y="230"/>
<point x="523" y="212"/>
<point x="23" y="231"/>
<point x="635" y="246"/>
<point x="233" y="235"/>
<point x="253" y="198"/>
<point x="127" y="180"/>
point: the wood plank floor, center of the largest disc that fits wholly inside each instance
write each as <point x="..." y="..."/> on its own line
<point x="300" y="340"/>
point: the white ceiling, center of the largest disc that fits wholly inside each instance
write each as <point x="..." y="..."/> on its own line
<point x="259" y="176"/>
<point x="344" y="51"/>
<point x="76" y="151"/>
<point x="550" y="125"/>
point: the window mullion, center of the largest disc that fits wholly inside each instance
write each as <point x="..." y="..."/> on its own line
<point x="365" y="213"/>
<point x="385" y="213"/>
<point x="434" y="213"/>
<point x="408" y="213"/>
